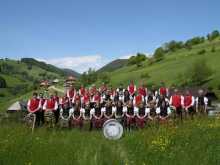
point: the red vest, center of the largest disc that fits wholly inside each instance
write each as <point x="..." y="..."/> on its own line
<point x="82" y="91"/>
<point x="187" y="100"/>
<point x="97" y="98"/>
<point x="64" y="100"/>
<point x="176" y="101"/>
<point x="34" y="104"/>
<point x="51" y="104"/>
<point x="138" y="99"/>
<point x="131" y="88"/>
<point x="163" y="91"/>
<point x="71" y="93"/>
<point x="103" y="88"/>
<point x="142" y="91"/>
<point x="77" y="98"/>
<point x="86" y="99"/>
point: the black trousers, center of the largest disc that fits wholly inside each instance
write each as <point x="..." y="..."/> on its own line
<point x="38" y="118"/>
<point x="57" y="115"/>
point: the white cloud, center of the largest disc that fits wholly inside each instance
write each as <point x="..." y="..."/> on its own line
<point x="78" y="63"/>
<point x="129" y="55"/>
<point x="126" y="56"/>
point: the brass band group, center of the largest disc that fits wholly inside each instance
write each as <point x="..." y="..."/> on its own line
<point x="133" y="106"/>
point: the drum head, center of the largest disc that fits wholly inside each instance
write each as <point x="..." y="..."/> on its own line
<point x="112" y="129"/>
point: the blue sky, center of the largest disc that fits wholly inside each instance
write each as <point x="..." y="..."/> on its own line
<point x="79" y="34"/>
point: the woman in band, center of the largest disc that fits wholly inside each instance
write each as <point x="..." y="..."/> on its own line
<point x="130" y="115"/>
<point x="141" y="114"/>
<point x="97" y="116"/>
<point x="77" y="116"/>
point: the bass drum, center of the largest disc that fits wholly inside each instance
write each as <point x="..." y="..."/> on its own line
<point x="112" y="129"/>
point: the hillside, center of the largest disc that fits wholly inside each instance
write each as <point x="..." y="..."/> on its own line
<point x="114" y="65"/>
<point x="172" y="67"/>
<point x="22" y="76"/>
<point x="49" y="67"/>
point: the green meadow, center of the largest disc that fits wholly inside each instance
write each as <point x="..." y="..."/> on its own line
<point x="194" y="142"/>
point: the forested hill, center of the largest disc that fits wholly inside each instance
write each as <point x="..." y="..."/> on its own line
<point x="114" y="65"/>
<point x="49" y="68"/>
<point x="17" y="77"/>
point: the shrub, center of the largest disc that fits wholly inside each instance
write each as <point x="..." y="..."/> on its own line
<point x="203" y="51"/>
<point x="159" y="54"/>
<point x="199" y="72"/>
<point x="145" y="75"/>
<point x="3" y="83"/>
<point x="213" y="49"/>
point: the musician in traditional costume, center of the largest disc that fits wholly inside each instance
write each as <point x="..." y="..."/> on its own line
<point x="76" y="98"/>
<point x="142" y="90"/>
<point x="103" y="88"/>
<point x="71" y="92"/>
<point x="77" y="115"/>
<point x="93" y="90"/>
<point x="141" y="114"/>
<point x="163" y="109"/>
<point x="50" y="106"/>
<point x="131" y="89"/>
<point x="34" y="106"/>
<point x="151" y="111"/>
<point x="85" y="99"/>
<point x="119" y="113"/>
<point x="201" y="103"/>
<point x="96" y="98"/>
<point x="57" y="112"/>
<point x="130" y="115"/>
<point x="97" y="116"/>
<point x="120" y="90"/>
<point x="108" y="110"/>
<point x="188" y="104"/>
<point x="86" y="114"/>
<point x="138" y="99"/>
<point x="42" y="101"/>
<point x="65" y="112"/>
<point x="163" y="90"/>
<point x="107" y="96"/>
<point x="126" y="98"/>
<point x="176" y="101"/>
<point x="82" y="90"/>
<point x="150" y="97"/>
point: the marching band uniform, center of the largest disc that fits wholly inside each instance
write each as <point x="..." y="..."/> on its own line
<point x="71" y="94"/>
<point x="138" y="100"/>
<point x="141" y="114"/>
<point x="42" y="101"/>
<point x="108" y="112"/>
<point x="76" y="98"/>
<point x="188" y="104"/>
<point x="164" y="91"/>
<point x="97" y="115"/>
<point x="120" y="92"/>
<point x="142" y="91"/>
<point x="130" y="115"/>
<point x="77" y="117"/>
<point x="131" y="89"/>
<point x="34" y="106"/>
<point x="57" y="112"/>
<point x="201" y="104"/>
<point x="163" y="108"/>
<point x="50" y="105"/>
<point x="82" y="91"/>
<point x="176" y="101"/>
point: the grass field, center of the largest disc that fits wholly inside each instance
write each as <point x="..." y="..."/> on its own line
<point x="193" y="142"/>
